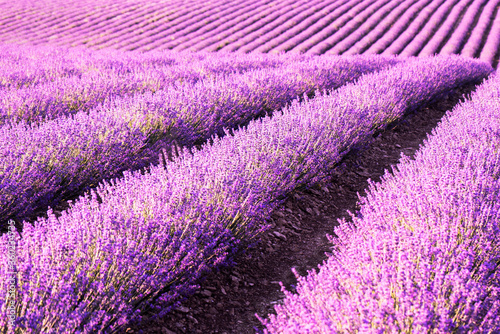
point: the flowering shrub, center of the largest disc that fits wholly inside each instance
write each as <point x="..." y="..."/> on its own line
<point x="45" y="163"/>
<point x="142" y="241"/>
<point x="422" y="254"/>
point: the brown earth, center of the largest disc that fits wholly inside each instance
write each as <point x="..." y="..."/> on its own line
<point x="229" y="299"/>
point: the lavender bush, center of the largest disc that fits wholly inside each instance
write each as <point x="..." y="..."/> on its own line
<point x="45" y="163"/>
<point x="142" y="241"/>
<point x="422" y="254"/>
<point x="111" y="79"/>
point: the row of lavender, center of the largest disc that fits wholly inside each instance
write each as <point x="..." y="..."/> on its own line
<point x="447" y="10"/>
<point x="45" y="163"/>
<point x="375" y="39"/>
<point x="97" y="77"/>
<point x="22" y="66"/>
<point x="442" y="37"/>
<point x="422" y="254"/>
<point x="393" y="36"/>
<point x="142" y="241"/>
<point x="411" y="27"/>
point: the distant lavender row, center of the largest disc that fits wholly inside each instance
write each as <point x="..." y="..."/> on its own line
<point x="473" y="44"/>
<point x="405" y="30"/>
<point x="26" y="74"/>
<point x="215" y="32"/>
<point x="230" y="13"/>
<point x="370" y="24"/>
<point x="386" y="27"/>
<point x="271" y="25"/>
<point x="439" y="35"/>
<point x="181" y="18"/>
<point x="351" y="26"/>
<point x="144" y="240"/>
<point x="352" y="9"/>
<point x="102" y="32"/>
<point x="274" y="26"/>
<point x="285" y="37"/>
<point x="50" y="20"/>
<point x="424" y="35"/>
<point x="43" y="164"/>
<point x="422" y="255"/>
<point x="459" y="35"/>
<point x="68" y="95"/>
<point x="397" y="29"/>
<point x="491" y="49"/>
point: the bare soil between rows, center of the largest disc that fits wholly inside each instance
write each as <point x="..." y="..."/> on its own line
<point x="229" y="298"/>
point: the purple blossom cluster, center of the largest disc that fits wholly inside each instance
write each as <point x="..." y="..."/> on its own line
<point x="102" y="80"/>
<point x="142" y="241"/>
<point x="422" y="254"/>
<point x="45" y="163"/>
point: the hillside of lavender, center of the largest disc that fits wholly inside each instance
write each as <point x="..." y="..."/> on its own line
<point x="145" y="144"/>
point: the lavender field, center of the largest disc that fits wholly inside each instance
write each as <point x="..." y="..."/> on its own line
<point x="145" y="145"/>
<point x="408" y="27"/>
